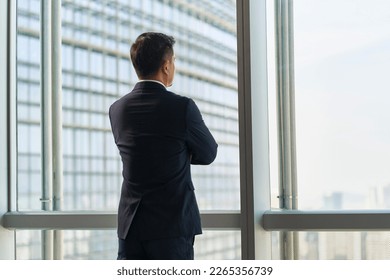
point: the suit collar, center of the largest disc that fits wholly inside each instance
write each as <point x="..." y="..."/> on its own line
<point x="149" y="85"/>
<point x="152" y="81"/>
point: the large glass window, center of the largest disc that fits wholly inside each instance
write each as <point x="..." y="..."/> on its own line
<point x="96" y="37"/>
<point x="339" y="65"/>
<point x="341" y="52"/>
<point x="341" y="57"/>
<point x="343" y="139"/>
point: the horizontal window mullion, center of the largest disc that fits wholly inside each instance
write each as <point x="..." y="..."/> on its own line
<point x="70" y="220"/>
<point x="343" y="220"/>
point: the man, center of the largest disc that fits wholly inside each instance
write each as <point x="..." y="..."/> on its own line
<point x="158" y="134"/>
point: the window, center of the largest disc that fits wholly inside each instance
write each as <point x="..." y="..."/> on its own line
<point x="334" y="104"/>
<point x="341" y="103"/>
<point x="96" y="72"/>
<point x="338" y="68"/>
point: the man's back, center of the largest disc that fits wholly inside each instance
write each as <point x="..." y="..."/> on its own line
<point x="158" y="134"/>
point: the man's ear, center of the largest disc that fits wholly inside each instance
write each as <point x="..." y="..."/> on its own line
<point x="166" y="67"/>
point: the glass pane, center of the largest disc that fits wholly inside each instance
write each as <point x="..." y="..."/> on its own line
<point x="90" y="245"/>
<point x="96" y="71"/>
<point x="103" y="245"/>
<point x="344" y="245"/>
<point x="28" y="106"/>
<point x="370" y="245"/>
<point x="342" y="51"/>
<point x="218" y="245"/>
<point x="77" y="245"/>
<point x="93" y="77"/>
<point x="28" y="245"/>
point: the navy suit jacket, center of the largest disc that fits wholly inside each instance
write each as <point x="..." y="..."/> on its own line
<point x="159" y="134"/>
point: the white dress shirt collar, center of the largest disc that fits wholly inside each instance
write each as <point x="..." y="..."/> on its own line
<point x="153" y="81"/>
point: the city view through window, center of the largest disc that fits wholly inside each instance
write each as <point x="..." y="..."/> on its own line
<point x="341" y="57"/>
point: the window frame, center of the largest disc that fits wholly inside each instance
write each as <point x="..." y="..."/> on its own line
<point x="7" y="125"/>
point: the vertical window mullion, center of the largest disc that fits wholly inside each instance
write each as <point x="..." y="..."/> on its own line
<point x="253" y="122"/>
<point x="7" y="123"/>
<point x="286" y="120"/>
<point x="57" y="154"/>
<point x="46" y="125"/>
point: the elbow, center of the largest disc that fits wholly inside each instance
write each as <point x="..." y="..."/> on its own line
<point x="207" y="158"/>
<point x="213" y="154"/>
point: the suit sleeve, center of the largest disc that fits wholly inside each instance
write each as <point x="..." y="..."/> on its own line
<point x="201" y="143"/>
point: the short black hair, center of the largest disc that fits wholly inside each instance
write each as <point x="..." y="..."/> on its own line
<point x="149" y="52"/>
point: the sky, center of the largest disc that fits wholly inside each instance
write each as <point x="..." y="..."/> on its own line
<point x="342" y="92"/>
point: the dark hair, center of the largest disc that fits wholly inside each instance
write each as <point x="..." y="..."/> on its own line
<point x="149" y="52"/>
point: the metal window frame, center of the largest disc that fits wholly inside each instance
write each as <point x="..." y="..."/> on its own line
<point x="285" y="91"/>
<point x="272" y="220"/>
<point x="86" y="220"/>
<point x="254" y="135"/>
<point x="7" y="124"/>
<point x="327" y="220"/>
<point x="51" y="121"/>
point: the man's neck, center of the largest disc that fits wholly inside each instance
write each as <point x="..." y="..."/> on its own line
<point x="152" y="80"/>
